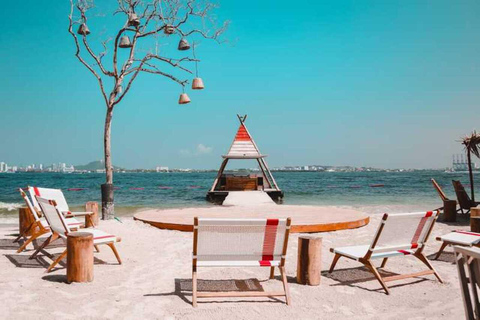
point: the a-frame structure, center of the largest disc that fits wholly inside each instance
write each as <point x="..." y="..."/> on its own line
<point x="243" y="148"/>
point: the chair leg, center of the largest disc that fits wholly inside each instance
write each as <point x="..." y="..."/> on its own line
<point x="285" y="285"/>
<point x="97" y="248"/>
<point x="23" y="234"/>
<point x="194" y="287"/>
<point x="424" y="259"/>
<point x="384" y="262"/>
<point x="377" y="275"/>
<point x="49" y="240"/>
<point x="114" y="249"/>
<point x="29" y="240"/>
<point x="60" y="258"/>
<point x="334" y="262"/>
<point x="444" y="245"/>
<point x="272" y="272"/>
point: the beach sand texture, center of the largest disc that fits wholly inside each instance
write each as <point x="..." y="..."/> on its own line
<point x="154" y="282"/>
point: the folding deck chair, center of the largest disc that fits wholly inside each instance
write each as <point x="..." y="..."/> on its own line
<point x="240" y="243"/>
<point x="398" y="235"/>
<point x="58" y="196"/>
<point x="468" y="266"/>
<point x="441" y="193"/>
<point x="462" y="197"/>
<point x="39" y="226"/>
<point x="458" y="238"/>
<point x="60" y="229"/>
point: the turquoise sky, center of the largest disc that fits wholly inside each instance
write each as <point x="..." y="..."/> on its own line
<point x="364" y="83"/>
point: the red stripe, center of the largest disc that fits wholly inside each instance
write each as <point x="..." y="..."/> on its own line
<point x="466" y="232"/>
<point x="404" y="252"/>
<point x="265" y="263"/>
<point x="414" y="245"/>
<point x="269" y="239"/>
<point x="103" y="237"/>
<point x="37" y="193"/>
<point x="242" y="134"/>
<point x="428" y="214"/>
<point x="421" y="224"/>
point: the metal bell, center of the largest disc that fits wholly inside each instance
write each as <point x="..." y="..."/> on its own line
<point x="197" y="84"/>
<point x="83" y="30"/>
<point x="125" y="42"/>
<point x="184" y="99"/>
<point x="183" y="45"/>
<point x="169" y="29"/>
<point x="133" y="20"/>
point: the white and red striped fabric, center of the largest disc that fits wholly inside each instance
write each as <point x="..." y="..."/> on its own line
<point x="398" y="234"/>
<point x="53" y="194"/>
<point x="462" y="238"/>
<point x="240" y="242"/>
<point x="243" y="146"/>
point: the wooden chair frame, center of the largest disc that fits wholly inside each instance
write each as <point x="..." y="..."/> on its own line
<point x="367" y="261"/>
<point x="467" y="258"/>
<point x="285" y="293"/>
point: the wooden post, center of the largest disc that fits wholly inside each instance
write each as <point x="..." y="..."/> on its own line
<point x="92" y="220"/>
<point x="309" y="263"/>
<point x="449" y="210"/>
<point x="475" y="220"/>
<point x="79" y="257"/>
<point x="25" y="220"/>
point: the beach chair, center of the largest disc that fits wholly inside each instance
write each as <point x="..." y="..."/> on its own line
<point x="58" y="196"/>
<point x="60" y="230"/>
<point x="440" y="192"/>
<point x="458" y="238"/>
<point x="240" y="243"/>
<point x="398" y="235"/>
<point x="462" y="197"/>
<point x="39" y="226"/>
<point x="468" y="266"/>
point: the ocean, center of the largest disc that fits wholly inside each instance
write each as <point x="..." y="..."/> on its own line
<point x="405" y="191"/>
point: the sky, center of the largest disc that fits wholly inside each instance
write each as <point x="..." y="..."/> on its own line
<point x="389" y="84"/>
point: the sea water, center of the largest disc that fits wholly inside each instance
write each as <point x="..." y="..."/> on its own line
<point x="399" y="191"/>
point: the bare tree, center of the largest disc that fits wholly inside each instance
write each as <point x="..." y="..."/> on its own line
<point x="145" y="23"/>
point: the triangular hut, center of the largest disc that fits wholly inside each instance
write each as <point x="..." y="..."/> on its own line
<point x="244" y="147"/>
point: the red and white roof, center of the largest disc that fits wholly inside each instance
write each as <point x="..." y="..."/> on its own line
<point x="243" y="146"/>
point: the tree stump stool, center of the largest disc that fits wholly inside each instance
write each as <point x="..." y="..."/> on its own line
<point x="309" y="263"/>
<point x="449" y="210"/>
<point x="475" y="220"/>
<point x="79" y="257"/>
<point x="91" y="220"/>
<point x="25" y="220"/>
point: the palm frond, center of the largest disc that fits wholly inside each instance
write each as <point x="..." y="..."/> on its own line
<point x="472" y="143"/>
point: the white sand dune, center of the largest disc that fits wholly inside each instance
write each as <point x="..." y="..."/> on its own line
<point x="155" y="282"/>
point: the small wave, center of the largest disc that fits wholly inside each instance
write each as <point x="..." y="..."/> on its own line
<point x="9" y="206"/>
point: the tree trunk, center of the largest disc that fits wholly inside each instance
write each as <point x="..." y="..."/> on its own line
<point x="108" y="211"/>
<point x="470" y="172"/>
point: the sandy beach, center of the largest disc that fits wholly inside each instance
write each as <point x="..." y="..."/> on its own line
<point x="154" y="282"/>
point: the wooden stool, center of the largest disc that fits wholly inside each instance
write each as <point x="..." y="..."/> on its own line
<point x="309" y="263"/>
<point x="79" y="257"/>
<point x="91" y="220"/>
<point x="25" y="220"/>
<point x="475" y="220"/>
<point x="449" y="210"/>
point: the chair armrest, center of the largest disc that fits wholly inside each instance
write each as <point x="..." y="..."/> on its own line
<point x="69" y="214"/>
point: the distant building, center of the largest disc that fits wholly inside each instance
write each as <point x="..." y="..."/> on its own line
<point x="3" y="167"/>
<point x="162" y="169"/>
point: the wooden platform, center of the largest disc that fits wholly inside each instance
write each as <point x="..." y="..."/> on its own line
<point x="304" y="218"/>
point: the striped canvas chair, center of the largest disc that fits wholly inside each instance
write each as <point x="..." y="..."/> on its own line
<point x="398" y="235"/>
<point x="458" y="238"/>
<point x="240" y="243"/>
<point x="58" y="196"/>
<point x="39" y="226"/>
<point x="60" y="229"/>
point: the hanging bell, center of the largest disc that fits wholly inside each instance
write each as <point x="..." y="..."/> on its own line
<point x="125" y="42"/>
<point x="183" y="45"/>
<point x="83" y="30"/>
<point x="184" y="99"/>
<point x="133" y="20"/>
<point x="169" y="29"/>
<point x="197" y="84"/>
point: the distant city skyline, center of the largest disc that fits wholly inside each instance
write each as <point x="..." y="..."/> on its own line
<point x="380" y="84"/>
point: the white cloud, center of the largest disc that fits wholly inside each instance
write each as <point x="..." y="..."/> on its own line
<point x="201" y="149"/>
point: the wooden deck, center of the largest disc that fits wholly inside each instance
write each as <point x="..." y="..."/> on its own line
<point x="304" y="218"/>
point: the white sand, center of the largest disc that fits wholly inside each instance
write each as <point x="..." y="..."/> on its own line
<point x="155" y="282"/>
